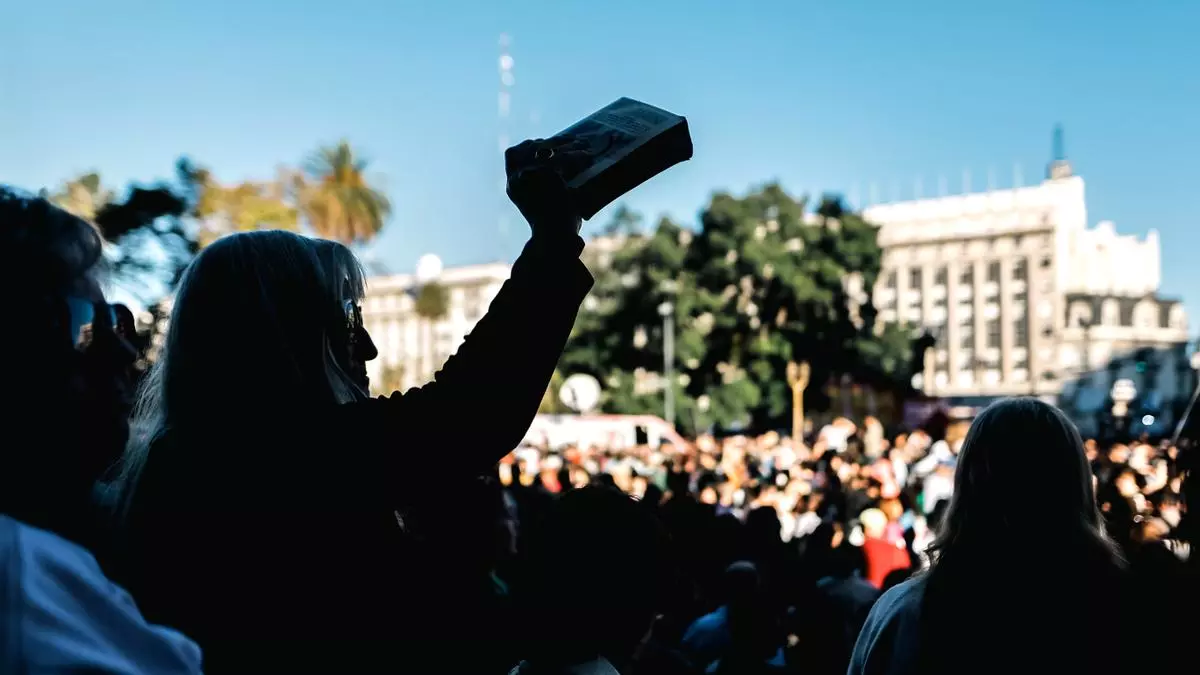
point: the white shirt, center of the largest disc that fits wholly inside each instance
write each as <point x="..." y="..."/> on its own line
<point x="59" y="614"/>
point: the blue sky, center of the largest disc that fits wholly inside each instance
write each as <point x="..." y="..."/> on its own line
<point x="821" y="96"/>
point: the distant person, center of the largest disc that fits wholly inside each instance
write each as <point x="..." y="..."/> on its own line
<point x="66" y="420"/>
<point x="1023" y="578"/>
<point x="709" y="637"/>
<point x="883" y="555"/>
<point x="260" y="506"/>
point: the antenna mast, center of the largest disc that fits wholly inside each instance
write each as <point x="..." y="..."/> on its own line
<point x="503" y="112"/>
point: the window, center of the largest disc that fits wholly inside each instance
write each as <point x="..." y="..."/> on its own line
<point x="1046" y="262"/>
<point x="1019" y="272"/>
<point x="473" y="306"/>
<point x="939" y="277"/>
<point x="1021" y="300"/>
<point x="967" y="336"/>
<point x="1021" y="332"/>
<point x="993" y="272"/>
<point x="914" y="279"/>
<point x="967" y="276"/>
<point x="890" y="280"/>
<point x="993" y="334"/>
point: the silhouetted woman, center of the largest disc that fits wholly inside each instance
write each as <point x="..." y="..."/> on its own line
<point x="261" y="496"/>
<point x="1023" y="577"/>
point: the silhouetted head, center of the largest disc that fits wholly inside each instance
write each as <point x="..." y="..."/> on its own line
<point x="599" y="565"/>
<point x="67" y="366"/>
<point x="1022" y="481"/>
<point x="741" y="583"/>
<point x="264" y="321"/>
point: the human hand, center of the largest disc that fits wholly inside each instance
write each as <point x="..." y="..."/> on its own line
<point x="537" y="186"/>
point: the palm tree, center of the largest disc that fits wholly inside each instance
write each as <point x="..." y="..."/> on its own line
<point x="432" y="304"/>
<point x="337" y="199"/>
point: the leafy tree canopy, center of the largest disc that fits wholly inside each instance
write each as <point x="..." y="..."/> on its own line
<point x="765" y="280"/>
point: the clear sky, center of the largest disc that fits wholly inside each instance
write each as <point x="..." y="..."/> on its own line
<point x="821" y="96"/>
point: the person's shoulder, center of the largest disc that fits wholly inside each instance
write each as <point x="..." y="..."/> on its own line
<point x="902" y="600"/>
<point x="890" y="630"/>
<point x="39" y="553"/>
<point x="70" y="613"/>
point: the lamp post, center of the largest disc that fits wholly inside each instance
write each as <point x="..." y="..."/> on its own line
<point x="1123" y="393"/>
<point x="667" y="311"/>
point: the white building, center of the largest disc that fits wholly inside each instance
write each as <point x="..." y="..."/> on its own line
<point x="1024" y="298"/>
<point x="411" y="348"/>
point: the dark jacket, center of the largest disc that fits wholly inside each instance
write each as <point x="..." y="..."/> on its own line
<point x="271" y="538"/>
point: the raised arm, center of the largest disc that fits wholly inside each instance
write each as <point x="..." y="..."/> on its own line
<point x="480" y="405"/>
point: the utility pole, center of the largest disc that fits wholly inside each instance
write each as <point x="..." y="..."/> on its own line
<point x="797" y="374"/>
<point x="667" y="310"/>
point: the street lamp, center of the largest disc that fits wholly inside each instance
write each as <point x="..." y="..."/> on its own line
<point x="667" y="311"/>
<point x="1123" y="393"/>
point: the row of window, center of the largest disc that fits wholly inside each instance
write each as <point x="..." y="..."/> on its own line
<point x="916" y="275"/>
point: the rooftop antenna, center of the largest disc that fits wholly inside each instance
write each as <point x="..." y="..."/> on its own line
<point x="1059" y="166"/>
<point x="504" y="109"/>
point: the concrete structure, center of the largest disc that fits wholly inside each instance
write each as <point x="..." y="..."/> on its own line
<point x="411" y="349"/>
<point x="1024" y="298"/>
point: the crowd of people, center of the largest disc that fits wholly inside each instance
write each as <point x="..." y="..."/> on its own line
<point x="253" y="510"/>
<point x="818" y="528"/>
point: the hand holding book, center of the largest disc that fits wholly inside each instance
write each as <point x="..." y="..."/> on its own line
<point x="570" y="177"/>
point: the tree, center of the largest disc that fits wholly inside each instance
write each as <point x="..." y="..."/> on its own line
<point x="619" y="335"/>
<point x="148" y="242"/>
<point x="431" y="304"/>
<point x="83" y="196"/>
<point x="764" y="282"/>
<point x="336" y="198"/>
<point x="239" y="207"/>
<point x="155" y="231"/>
<point x="551" y="404"/>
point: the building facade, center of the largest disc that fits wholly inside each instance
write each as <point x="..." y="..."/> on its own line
<point x="412" y="348"/>
<point x="1024" y="298"/>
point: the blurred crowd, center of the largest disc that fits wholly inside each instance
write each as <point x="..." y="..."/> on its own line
<point x="824" y="525"/>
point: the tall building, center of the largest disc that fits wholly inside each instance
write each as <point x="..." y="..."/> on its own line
<point x="413" y="348"/>
<point x="1024" y="298"/>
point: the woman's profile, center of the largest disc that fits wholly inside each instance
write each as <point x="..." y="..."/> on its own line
<point x="260" y="494"/>
<point x="1023" y="578"/>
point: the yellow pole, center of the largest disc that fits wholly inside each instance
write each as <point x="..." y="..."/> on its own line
<point x="798" y="377"/>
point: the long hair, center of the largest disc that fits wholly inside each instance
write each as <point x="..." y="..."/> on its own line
<point x="1022" y="479"/>
<point x="1021" y="541"/>
<point x="252" y="329"/>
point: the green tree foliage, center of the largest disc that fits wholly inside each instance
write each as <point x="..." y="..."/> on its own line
<point x="239" y="207"/>
<point x="766" y="280"/>
<point x="337" y="199"/>
<point x="432" y="301"/>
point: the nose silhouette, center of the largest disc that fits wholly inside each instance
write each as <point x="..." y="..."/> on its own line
<point x="365" y="346"/>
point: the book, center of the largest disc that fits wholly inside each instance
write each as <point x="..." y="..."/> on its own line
<point x="629" y="142"/>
